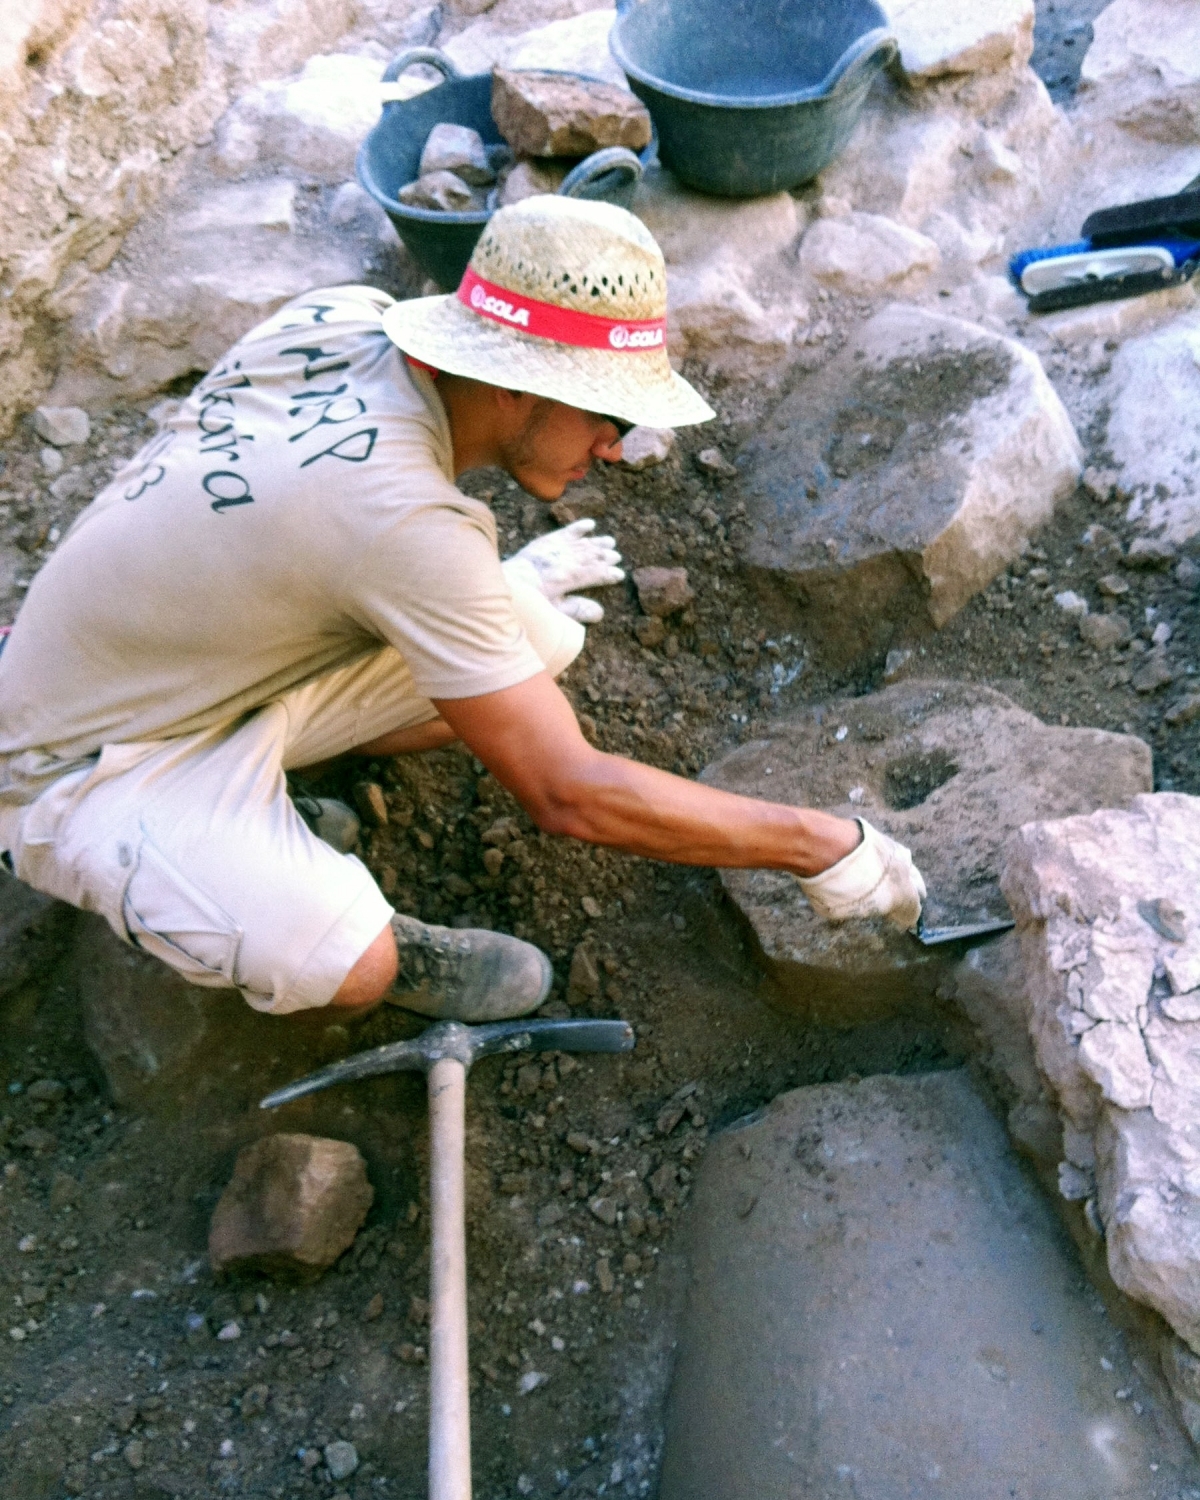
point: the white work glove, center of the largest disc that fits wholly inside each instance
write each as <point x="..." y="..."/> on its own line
<point x="568" y="559"/>
<point x="878" y="879"/>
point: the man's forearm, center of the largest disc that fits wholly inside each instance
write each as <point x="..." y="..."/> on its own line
<point x="529" y="739"/>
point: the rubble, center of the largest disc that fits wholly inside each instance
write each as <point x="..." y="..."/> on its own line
<point x="947" y="768"/>
<point x="1109" y="928"/>
<point x="64" y="426"/>
<point x="898" y="480"/>
<point x="543" y="113"/>
<point x="293" y="1205"/>
<point x="457" y="149"/>
<point x="877" y="1242"/>
<point x="646" y="447"/>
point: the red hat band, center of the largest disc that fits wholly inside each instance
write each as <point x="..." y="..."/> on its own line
<point x="563" y="325"/>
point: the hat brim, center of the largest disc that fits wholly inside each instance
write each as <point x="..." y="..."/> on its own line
<point x="638" y="387"/>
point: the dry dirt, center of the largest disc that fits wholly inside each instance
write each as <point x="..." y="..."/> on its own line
<point x="113" y="1381"/>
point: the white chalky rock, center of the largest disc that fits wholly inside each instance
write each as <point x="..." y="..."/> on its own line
<point x="645" y="447"/>
<point x="1153" y="426"/>
<point x="897" y="480"/>
<point x="947" y="36"/>
<point x="313" y="124"/>
<point x="64" y="426"/>
<point x="720" y="253"/>
<point x="1145" y="54"/>
<point x="1108" y="915"/>
<point x="866" y="254"/>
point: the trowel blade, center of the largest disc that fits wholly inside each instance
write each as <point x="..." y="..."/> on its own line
<point x="934" y="937"/>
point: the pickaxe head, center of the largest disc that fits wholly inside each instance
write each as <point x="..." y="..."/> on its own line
<point x="451" y="1039"/>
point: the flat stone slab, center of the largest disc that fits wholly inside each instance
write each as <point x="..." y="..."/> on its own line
<point x="949" y="769"/>
<point x="1108" y="913"/>
<point x="882" y="1306"/>
<point x="895" y="482"/>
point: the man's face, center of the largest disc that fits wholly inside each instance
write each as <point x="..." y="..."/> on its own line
<point x="555" y="445"/>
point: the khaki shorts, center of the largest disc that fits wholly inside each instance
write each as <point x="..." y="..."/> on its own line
<point x="192" y="850"/>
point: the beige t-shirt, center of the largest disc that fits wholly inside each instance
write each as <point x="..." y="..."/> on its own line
<point x="298" y="511"/>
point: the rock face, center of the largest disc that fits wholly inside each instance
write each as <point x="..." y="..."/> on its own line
<point x="882" y="1304"/>
<point x="1149" y="51"/>
<point x="544" y="113"/>
<point x="939" y="37"/>
<point x="897" y="481"/>
<point x="948" y="769"/>
<point x="1155" y="385"/>
<point x="293" y="1205"/>
<point x="1108" y="913"/>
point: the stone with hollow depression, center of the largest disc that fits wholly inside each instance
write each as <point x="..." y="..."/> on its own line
<point x="893" y="484"/>
<point x="948" y="768"/>
<point x="293" y="1205"/>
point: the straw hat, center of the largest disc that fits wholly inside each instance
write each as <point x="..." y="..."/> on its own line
<point x="565" y="298"/>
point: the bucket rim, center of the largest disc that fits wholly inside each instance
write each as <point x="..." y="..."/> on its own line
<point x="877" y="40"/>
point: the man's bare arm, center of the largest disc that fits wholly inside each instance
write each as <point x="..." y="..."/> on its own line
<point x="529" y="739"/>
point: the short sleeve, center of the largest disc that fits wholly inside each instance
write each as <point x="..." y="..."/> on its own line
<point x="433" y="588"/>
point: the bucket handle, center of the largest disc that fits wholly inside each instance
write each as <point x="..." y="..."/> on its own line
<point x="430" y="55"/>
<point x="873" y="50"/>
<point x="599" y="164"/>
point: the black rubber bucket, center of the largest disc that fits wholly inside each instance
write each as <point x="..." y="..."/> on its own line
<point x="751" y="96"/>
<point x="442" y="243"/>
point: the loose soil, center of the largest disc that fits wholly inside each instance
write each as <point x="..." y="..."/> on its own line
<point x="113" y="1380"/>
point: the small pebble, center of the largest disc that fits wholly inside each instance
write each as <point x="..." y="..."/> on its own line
<point x="1071" y="603"/>
<point x="530" y="1381"/>
<point x="341" y="1459"/>
<point x="229" y="1332"/>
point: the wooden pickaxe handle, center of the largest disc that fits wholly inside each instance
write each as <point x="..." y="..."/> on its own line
<point x="449" y="1370"/>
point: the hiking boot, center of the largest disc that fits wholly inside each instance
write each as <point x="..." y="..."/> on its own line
<point x="466" y="973"/>
<point x="331" y="820"/>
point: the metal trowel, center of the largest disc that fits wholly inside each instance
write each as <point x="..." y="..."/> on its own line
<point x="934" y="937"/>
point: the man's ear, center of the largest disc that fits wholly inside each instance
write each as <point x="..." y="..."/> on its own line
<point x="515" y="407"/>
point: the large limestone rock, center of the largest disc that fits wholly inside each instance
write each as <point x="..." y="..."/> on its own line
<point x="576" y="44"/>
<point x="195" y="278"/>
<point x="1108" y="913"/>
<point x="939" y="37"/>
<point x="895" y="482"/>
<point x="99" y="106"/>
<point x="1145" y="54"/>
<point x="882" y="1304"/>
<point x="866" y="254"/>
<point x="1154" y="425"/>
<point x="733" y="298"/>
<point x="312" y="125"/>
<point x="948" y="769"/>
<point x="293" y="1205"/>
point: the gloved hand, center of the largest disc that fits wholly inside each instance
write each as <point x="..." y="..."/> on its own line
<point x="568" y="559"/>
<point x="878" y="879"/>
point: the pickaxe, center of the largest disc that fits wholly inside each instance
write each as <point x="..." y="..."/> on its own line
<point x="444" y="1053"/>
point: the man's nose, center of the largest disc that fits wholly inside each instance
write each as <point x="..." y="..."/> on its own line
<point x="607" y="446"/>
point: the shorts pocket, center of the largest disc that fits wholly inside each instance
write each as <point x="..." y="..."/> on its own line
<point x="167" y="916"/>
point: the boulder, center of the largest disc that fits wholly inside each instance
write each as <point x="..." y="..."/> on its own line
<point x="192" y="280"/>
<point x="544" y="113"/>
<point x="734" y="301"/>
<point x="938" y="37"/>
<point x="947" y="768"/>
<point x="576" y="44"/>
<point x="1108" y="916"/>
<point x="881" y="1303"/>
<point x="313" y="124"/>
<point x="293" y="1205"/>
<point x="894" y="483"/>
<point x="1154" y="391"/>
<point x="866" y="254"/>
<point x="1145" y="56"/>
